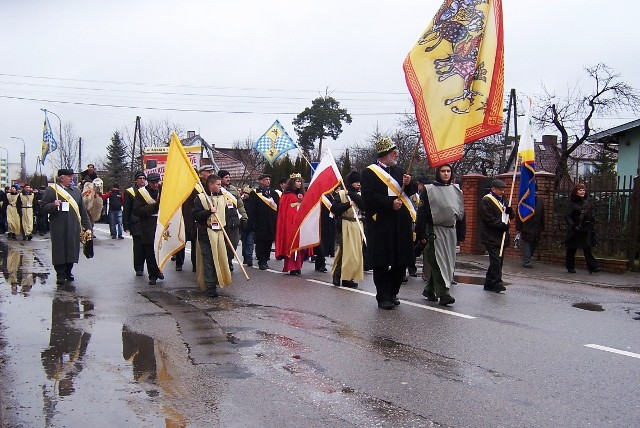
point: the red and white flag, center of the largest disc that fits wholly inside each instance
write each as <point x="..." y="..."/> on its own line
<point x="306" y="224"/>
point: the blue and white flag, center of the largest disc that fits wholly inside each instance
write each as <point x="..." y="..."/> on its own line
<point x="274" y="143"/>
<point x="49" y="143"/>
<point x="526" y="151"/>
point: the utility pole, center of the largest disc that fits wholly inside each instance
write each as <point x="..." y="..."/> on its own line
<point x="79" y="154"/>
<point x="137" y="135"/>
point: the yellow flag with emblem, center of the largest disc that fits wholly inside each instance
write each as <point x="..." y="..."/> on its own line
<point x="455" y="74"/>
<point x="179" y="181"/>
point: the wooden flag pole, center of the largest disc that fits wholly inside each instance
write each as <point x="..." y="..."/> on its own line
<point x="415" y="154"/>
<point x="364" y="238"/>
<point x="513" y="183"/>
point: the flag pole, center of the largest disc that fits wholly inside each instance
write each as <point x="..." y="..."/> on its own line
<point x="513" y="183"/>
<point x="364" y="238"/>
<point x="415" y="153"/>
<point x="228" y="241"/>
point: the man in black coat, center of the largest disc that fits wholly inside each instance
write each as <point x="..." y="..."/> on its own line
<point x="389" y="217"/>
<point x="530" y="231"/>
<point x="145" y="206"/>
<point x="494" y="217"/>
<point x="262" y="210"/>
<point x="3" y="212"/>
<point x="131" y="222"/>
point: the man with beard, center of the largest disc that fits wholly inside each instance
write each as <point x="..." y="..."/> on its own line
<point x="389" y="216"/>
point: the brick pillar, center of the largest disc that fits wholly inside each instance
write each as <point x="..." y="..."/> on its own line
<point x="471" y="184"/>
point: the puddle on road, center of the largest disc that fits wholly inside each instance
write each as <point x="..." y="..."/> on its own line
<point x="589" y="306"/>
<point x="21" y="268"/>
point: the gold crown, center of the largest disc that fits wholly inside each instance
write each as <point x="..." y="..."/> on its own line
<point x="295" y="175"/>
<point x="384" y="145"/>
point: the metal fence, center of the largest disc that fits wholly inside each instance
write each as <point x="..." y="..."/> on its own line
<point x="616" y="205"/>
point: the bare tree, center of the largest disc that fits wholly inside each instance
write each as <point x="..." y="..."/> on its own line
<point x="66" y="156"/>
<point x="573" y="116"/>
<point x="250" y="158"/>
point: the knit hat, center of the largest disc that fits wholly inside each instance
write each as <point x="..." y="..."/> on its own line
<point x="353" y="177"/>
<point x="384" y="146"/>
<point x="223" y="173"/>
<point x="140" y="174"/>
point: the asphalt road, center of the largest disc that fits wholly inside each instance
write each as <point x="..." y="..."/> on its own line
<point x="280" y="350"/>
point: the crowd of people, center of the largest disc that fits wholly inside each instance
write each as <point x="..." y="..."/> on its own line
<point x="381" y="219"/>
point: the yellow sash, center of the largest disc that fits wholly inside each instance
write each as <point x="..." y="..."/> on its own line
<point x="146" y="196"/>
<point x="229" y="197"/>
<point x="268" y="201"/>
<point x="495" y="201"/>
<point x="393" y="185"/>
<point x="132" y="191"/>
<point x="67" y="197"/>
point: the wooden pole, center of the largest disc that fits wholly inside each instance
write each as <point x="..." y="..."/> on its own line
<point x="513" y="183"/>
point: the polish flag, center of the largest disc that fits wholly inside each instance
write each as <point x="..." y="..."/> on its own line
<point x="306" y="224"/>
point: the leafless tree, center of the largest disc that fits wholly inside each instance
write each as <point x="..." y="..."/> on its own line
<point x="573" y="114"/>
<point x="250" y="158"/>
<point x="66" y="156"/>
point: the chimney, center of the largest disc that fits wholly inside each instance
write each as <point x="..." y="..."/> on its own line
<point x="550" y="140"/>
<point x="191" y="134"/>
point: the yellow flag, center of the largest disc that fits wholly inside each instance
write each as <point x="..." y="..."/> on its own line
<point x="455" y="74"/>
<point x="179" y="181"/>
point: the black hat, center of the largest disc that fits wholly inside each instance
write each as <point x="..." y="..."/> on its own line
<point x="43" y="187"/>
<point x="223" y="173"/>
<point x="263" y="176"/>
<point x="499" y="184"/>
<point x="283" y="180"/>
<point x="206" y="168"/>
<point x="353" y="177"/>
<point x="153" y="177"/>
<point x="140" y="174"/>
<point x="65" y="171"/>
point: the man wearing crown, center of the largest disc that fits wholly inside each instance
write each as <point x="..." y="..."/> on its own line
<point x="389" y="218"/>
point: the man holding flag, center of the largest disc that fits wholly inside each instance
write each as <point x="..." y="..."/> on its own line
<point x="389" y="216"/>
<point x="530" y="218"/>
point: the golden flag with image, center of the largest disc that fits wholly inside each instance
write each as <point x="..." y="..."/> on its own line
<point x="179" y="181"/>
<point x="455" y="74"/>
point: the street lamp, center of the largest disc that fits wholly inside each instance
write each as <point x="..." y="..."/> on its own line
<point x="4" y="174"/>
<point x="23" y="163"/>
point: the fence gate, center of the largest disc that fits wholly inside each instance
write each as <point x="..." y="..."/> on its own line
<point x="634" y="227"/>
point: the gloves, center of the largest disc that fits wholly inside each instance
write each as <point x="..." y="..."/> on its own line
<point x="504" y="227"/>
<point x="509" y="211"/>
<point x="243" y="223"/>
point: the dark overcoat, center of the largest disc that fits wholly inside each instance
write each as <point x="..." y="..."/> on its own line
<point x="64" y="226"/>
<point x="580" y="222"/>
<point x="389" y="232"/>
<point x="130" y="221"/>
<point x="148" y="214"/>
<point x="492" y="224"/>
<point x="531" y="230"/>
<point x="261" y="217"/>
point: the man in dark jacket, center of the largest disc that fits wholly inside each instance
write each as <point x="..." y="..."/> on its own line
<point x="116" y="201"/>
<point x="494" y="218"/>
<point x="389" y="217"/>
<point x="145" y="206"/>
<point x="3" y="211"/>
<point x="530" y="231"/>
<point x="262" y="210"/>
<point x="131" y="222"/>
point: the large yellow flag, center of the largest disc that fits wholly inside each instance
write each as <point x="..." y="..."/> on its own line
<point x="179" y="181"/>
<point x="455" y="74"/>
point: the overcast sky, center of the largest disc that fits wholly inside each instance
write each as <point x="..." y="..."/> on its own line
<point x="244" y="64"/>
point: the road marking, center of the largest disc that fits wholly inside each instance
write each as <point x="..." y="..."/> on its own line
<point x="613" y="350"/>
<point x="406" y="302"/>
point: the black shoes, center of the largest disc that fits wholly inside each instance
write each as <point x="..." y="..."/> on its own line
<point x="70" y="277"/>
<point x="29" y="237"/>
<point x="349" y="284"/>
<point x="178" y="268"/>
<point x="160" y="275"/>
<point x="527" y="265"/>
<point x="60" y="280"/>
<point x="594" y="270"/>
<point x="429" y="295"/>
<point x="446" y="300"/>
<point x="139" y="273"/>
<point x="571" y="270"/>
<point x="212" y="292"/>
<point x="386" y="305"/>
<point x="263" y="266"/>
<point x="120" y="237"/>
<point x="321" y="269"/>
<point x="295" y="272"/>
<point x="495" y="289"/>
<point x="152" y="281"/>
<point x="395" y="300"/>
<point x="405" y="279"/>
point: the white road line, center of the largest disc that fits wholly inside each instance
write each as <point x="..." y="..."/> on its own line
<point x="406" y="302"/>
<point x="613" y="350"/>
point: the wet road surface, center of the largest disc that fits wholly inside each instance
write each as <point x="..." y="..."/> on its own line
<point x="109" y="350"/>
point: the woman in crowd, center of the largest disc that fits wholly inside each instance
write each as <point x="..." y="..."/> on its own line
<point x="580" y="229"/>
<point x="287" y="209"/>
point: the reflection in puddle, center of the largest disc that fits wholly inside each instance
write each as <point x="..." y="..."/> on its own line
<point x="20" y="267"/>
<point x="152" y="366"/>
